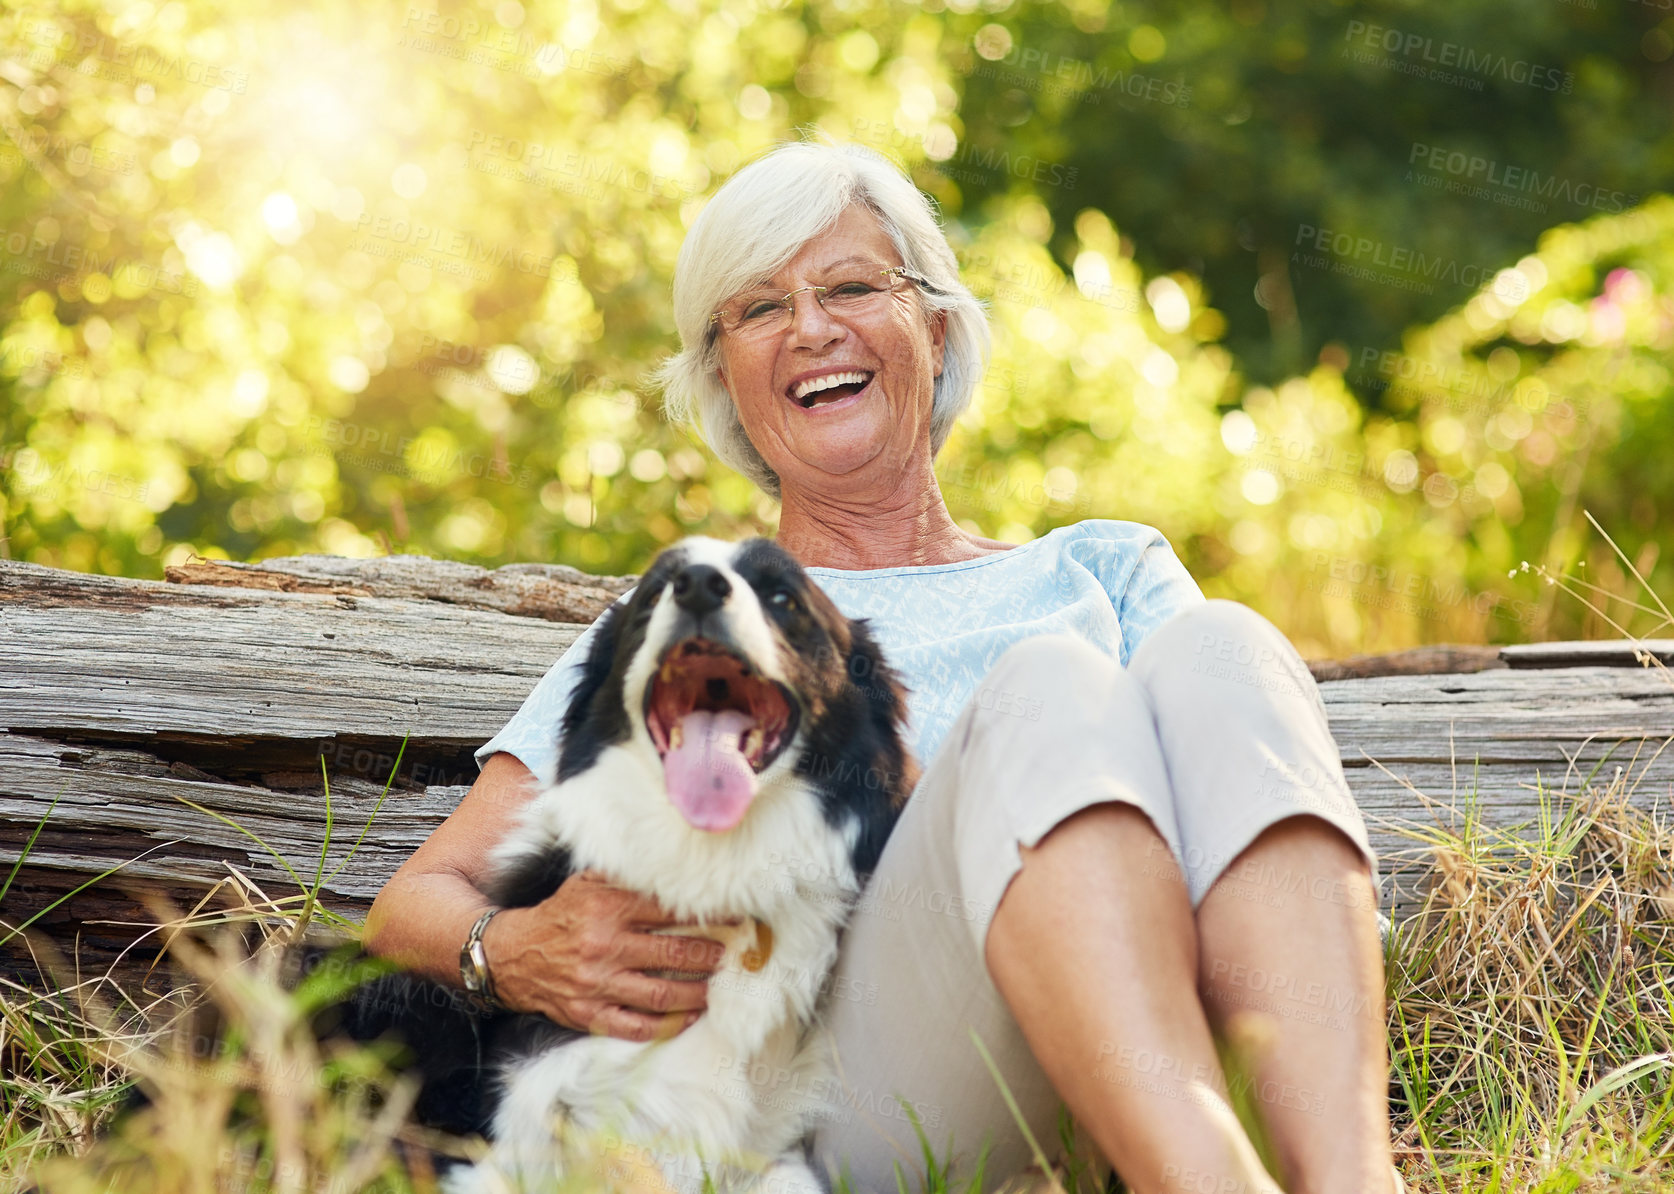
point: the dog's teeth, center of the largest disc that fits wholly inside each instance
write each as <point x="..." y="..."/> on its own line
<point x="752" y="744"/>
<point x="676" y="735"/>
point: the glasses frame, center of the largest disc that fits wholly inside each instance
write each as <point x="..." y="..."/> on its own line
<point x="788" y="300"/>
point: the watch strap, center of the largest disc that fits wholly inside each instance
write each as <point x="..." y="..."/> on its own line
<point x="474" y="974"/>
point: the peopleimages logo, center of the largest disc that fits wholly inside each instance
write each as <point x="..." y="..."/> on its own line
<point x="402" y="236"/>
<point x="104" y="57"/>
<point x="1410" y="592"/>
<point x="1417" y="49"/>
<point x="1472" y="172"/>
<point x="1035" y="69"/>
<point x="1347" y="253"/>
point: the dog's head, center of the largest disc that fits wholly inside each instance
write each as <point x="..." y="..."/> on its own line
<point x="735" y="668"/>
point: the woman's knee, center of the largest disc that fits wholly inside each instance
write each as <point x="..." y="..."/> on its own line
<point x="1223" y="641"/>
<point x="1219" y="631"/>
<point x="1031" y="670"/>
<point x="1055" y="712"/>
<point x="1051" y="689"/>
<point x="1049" y="655"/>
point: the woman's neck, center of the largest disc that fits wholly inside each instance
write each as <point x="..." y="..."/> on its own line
<point x="907" y="525"/>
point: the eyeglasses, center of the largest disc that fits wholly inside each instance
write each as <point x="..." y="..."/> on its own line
<point x="766" y="313"/>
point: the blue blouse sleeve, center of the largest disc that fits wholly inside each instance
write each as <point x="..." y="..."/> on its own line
<point x="1146" y="581"/>
<point x="1158" y="588"/>
<point x="531" y="736"/>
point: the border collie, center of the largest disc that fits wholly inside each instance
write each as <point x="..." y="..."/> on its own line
<point x="732" y="734"/>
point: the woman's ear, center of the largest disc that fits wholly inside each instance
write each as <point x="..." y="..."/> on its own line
<point x="938" y="342"/>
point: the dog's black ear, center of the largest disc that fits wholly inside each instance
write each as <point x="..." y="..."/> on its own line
<point x="886" y="703"/>
<point x="595" y="670"/>
<point x="869" y="669"/>
<point x="578" y="748"/>
<point x="595" y="716"/>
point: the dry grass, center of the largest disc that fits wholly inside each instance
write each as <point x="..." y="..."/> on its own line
<point x="1530" y="1010"/>
<point x="1530" y="1014"/>
<point x="239" y="1093"/>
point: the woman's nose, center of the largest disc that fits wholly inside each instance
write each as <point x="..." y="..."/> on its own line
<point x="812" y="326"/>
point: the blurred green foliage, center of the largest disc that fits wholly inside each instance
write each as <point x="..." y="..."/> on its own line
<point x="390" y="277"/>
<point x="1217" y="136"/>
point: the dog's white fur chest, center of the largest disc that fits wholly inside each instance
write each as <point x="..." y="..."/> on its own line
<point x="738" y="1088"/>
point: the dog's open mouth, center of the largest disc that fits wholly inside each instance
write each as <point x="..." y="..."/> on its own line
<point x="717" y="723"/>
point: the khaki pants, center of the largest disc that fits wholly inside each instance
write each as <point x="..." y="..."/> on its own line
<point x="1215" y="730"/>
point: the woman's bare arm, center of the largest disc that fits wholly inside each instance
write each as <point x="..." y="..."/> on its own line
<point x="578" y="958"/>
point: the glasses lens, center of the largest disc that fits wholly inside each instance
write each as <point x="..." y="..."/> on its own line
<point x="760" y="309"/>
<point x="765" y="312"/>
<point x="855" y="293"/>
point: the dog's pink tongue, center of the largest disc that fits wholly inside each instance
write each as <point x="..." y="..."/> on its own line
<point x="708" y="779"/>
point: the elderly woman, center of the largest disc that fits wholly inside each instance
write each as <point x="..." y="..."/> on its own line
<point x="1131" y="837"/>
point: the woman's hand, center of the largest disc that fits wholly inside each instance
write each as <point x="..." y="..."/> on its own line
<point x="580" y="958"/>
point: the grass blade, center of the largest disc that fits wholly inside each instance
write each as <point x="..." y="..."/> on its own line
<point x="1016" y="1113"/>
<point x="367" y="828"/>
<point x="105" y="874"/>
<point x="1617" y="1078"/>
<point x="228" y="821"/>
<point x="30" y="844"/>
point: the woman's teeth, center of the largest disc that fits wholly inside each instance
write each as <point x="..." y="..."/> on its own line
<point x="809" y="392"/>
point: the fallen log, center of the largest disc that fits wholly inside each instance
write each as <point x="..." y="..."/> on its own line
<point x="184" y="730"/>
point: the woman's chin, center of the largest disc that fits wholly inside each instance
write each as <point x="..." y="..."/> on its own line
<point x="835" y="457"/>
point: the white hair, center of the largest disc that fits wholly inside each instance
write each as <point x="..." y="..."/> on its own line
<point x="760" y="219"/>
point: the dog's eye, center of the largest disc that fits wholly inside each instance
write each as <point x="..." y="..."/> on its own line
<point x="784" y="599"/>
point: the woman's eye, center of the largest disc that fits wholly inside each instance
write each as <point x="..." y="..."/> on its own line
<point x="761" y="307"/>
<point x="851" y="289"/>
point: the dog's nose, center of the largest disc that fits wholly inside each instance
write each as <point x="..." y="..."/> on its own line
<point x="699" y="588"/>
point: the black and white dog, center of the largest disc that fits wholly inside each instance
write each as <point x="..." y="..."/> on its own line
<point x="729" y="719"/>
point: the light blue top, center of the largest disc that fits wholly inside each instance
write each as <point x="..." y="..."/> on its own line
<point x="942" y="626"/>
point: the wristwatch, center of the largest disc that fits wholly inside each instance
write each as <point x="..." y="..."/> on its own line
<point x="473" y="965"/>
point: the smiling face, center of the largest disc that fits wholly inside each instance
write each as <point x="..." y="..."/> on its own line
<point x="837" y="403"/>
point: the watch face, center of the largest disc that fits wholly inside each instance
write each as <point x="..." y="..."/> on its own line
<point x="473" y="958"/>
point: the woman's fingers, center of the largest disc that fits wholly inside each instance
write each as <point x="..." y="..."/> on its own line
<point x="641" y="993"/>
<point x="581" y="959"/>
<point x="629" y="1025"/>
<point x="671" y="951"/>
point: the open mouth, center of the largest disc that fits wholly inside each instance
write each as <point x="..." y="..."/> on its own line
<point x="717" y="723"/>
<point x="832" y="388"/>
